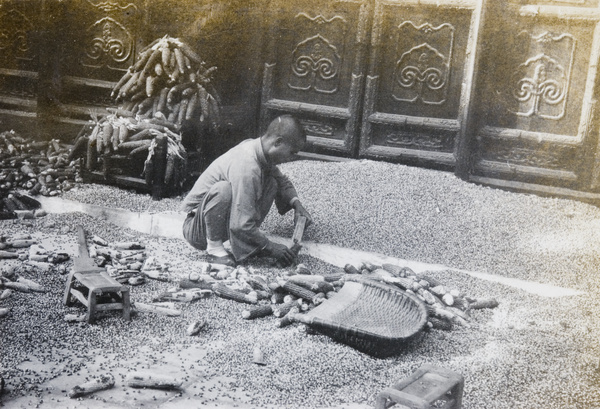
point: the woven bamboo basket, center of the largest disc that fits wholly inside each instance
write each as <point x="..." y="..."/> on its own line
<point x="371" y="317"/>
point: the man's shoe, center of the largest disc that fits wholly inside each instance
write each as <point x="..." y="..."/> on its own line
<point x="225" y="260"/>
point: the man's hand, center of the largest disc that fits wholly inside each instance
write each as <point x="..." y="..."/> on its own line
<point x="299" y="210"/>
<point x="282" y="253"/>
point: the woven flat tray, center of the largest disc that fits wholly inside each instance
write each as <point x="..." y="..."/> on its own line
<point x="372" y="317"/>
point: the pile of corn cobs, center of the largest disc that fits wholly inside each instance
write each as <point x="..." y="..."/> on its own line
<point x="41" y="167"/>
<point x="167" y="92"/>
<point x="126" y="262"/>
<point x="30" y="259"/>
<point x="301" y="290"/>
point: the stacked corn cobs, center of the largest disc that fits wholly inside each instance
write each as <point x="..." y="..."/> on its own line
<point x="122" y="132"/>
<point x="171" y="79"/>
<point x="42" y="167"/>
<point x="168" y="87"/>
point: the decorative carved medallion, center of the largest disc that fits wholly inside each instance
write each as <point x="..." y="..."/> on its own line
<point x="419" y="141"/>
<point x="14" y="35"/>
<point x="320" y="19"/>
<point x="111" y="6"/>
<point x="526" y="157"/>
<point x="541" y="83"/>
<point x="315" y="65"/>
<point x="422" y="72"/>
<point x="316" y="60"/>
<point x="315" y="128"/>
<point x="111" y="45"/>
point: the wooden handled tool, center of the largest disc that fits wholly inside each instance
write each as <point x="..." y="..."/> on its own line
<point x="299" y="230"/>
<point x="296" y="238"/>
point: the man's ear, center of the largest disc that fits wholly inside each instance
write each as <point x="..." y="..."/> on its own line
<point x="278" y="141"/>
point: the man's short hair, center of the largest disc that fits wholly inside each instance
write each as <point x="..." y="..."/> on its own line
<point x="287" y="127"/>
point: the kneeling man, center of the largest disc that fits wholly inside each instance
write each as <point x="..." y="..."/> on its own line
<point x="232" y="197"/>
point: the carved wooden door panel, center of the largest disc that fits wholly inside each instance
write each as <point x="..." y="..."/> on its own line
<point x="101" y="41"/>
<point x="418" y="87"/>
<point x="315" y="70"/>
<point x="537" y="94"/>
<point x="19" y="56"/>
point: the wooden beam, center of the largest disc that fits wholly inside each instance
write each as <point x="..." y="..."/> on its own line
<point x="541" y="190"/>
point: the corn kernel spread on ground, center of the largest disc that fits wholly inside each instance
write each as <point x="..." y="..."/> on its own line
<point x="530" y="351"/>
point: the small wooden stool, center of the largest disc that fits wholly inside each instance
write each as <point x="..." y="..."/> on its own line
<point x="429" y="385"/>
<point x="98" y="283"/>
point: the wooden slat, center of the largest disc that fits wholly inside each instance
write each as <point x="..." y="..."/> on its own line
<point x="508" y="134"/>
<point x="23" y="102"/>
<point x="454" y="4"/>
<point x="444" y="158"/>
<point x="99" y="281"/>
<point x="429" y="122"/>
<point x="571" y="13"/>
<point x="88" y="82"/>
<point x="19" y="73"/>
<point x="109" y="306"/>
<point x="303" y="107"/>
<point x="538" y="189"/>
<point x="79" y="295"/>
<point x="511" y="170"/>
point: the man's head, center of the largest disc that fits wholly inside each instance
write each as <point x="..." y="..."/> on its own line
<point x="284" y="138"/>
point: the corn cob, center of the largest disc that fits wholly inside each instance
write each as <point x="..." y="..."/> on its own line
<point x="23" y="288"/>
<point x="277" y="297"/>
<point x="114" y="139"/>
<point x="298" y="291"/>
<point x="350" y="269"/>
<point x="143" y="134"/>
<point x="258" y="312"/>
<point x="322" y="287"/>
<point x="152" y="381"/>
<point x="305" y="280"/>
<point x="133" y="144"/>
<point x="280" y="310"/>
<point x="258" y="283"/>
<point x="165" y="55"/>
<point x="195" y="327"/>
<point x="432" y="281"/>
<point x="437" y="323"/>
<point x="98" y="384"/>
<point x="404" y="283"/>
<point x="483" y="303"/>
<point x="6" y="293"/>
<point x="192" y="106"/>
<point x="287" y="320"/>
<point x="33" y="286"/>
<point x="225" y="292"/>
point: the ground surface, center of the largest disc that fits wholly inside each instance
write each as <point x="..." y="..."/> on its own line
<point x="531" y="351"/>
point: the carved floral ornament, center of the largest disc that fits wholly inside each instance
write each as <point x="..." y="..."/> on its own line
<point x="315" y="128"/>
<point x="111" y="6"/>
<point x="417" y="141"/>
<point x="422" y="72"/>
<point x="541" y="83"/>
<point x="14" y="34"/>
<point x="316" y="60"/>
<point x="111" y="43"/>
